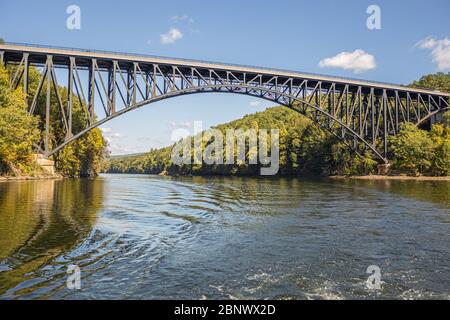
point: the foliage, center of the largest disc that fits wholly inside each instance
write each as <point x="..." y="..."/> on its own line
<point x="438" y="81"/>
<point x="345" y="161"/>
<point x="440" y="135"/>
<point x="418" y="151"/>
<point x="18" y="130"/>
<point x="412" y="149"/>
<point x="67" y="162"/>
<point x="446" y="118"/>
<point x="304" y="149"/>
<point x="91" y="151"/>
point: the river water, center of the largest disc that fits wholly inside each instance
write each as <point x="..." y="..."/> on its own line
<point x="150" y="237"/>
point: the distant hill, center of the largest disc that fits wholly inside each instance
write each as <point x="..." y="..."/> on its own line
<point x="304" y="149"/>
<point x="126" y="156"/>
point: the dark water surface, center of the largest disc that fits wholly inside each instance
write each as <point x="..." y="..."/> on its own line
<point x="148" y="237"/>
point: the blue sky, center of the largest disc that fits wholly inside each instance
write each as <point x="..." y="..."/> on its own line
<point x="294" y="35"/>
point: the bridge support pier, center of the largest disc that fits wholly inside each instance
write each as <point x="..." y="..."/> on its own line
<point x="383" y="169"/>
<point x="47" y="165"/>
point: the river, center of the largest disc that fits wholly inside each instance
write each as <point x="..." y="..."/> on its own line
<point x="151" y="237"/>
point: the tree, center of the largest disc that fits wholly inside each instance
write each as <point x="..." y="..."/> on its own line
<point x="412" y="150"/>
<point x="438" y="81"/>
<point x="446" y="119"/>
<point x="91" y="152"/>
<point x="67" y="162"/>
<point x="440" y="135"/>
<point x="18" y="130"/>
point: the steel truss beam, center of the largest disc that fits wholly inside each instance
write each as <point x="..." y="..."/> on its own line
<point x="363" y="116"/>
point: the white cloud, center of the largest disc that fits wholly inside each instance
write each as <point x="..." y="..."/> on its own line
<point x="358" y="61"/>
<point x="183" y="17"/>
<point x="171" y="36"/>
<point x="118" y="135"/>
<point x="255" y="104"/>
<point x="111" y="136"/>
<point x="186" y="21"/>
<point x="440" y="51"/>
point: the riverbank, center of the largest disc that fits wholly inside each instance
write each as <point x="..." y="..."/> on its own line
<point x="383" y="177"/>
<point x="335" y="177"/>
<point x="24" y="178"/>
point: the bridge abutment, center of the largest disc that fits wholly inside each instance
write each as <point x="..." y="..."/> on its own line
<point x="383" y="169"/>
<point x="46" y="164"/>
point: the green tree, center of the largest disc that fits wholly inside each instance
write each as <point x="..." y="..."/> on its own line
<point x="91" y="152"/>
<point x="446" y="119"/>
<point x="67" y="162"/>
<point x="18" y="130"/>
<point x="412" y="150"/>
<point x="438" y="81"/>
<point x="440" y="135"/>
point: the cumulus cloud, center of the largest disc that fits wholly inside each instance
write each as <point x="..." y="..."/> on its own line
<point x="358" y="61"/>
<point x="171" y="36"/>
<point x="440" y="51"/>
<point x="255" y="104"/>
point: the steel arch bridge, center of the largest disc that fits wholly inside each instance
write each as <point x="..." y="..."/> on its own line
<point x="361" y="113"/>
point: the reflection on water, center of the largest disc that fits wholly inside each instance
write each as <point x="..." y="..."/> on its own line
<point x="147" y="237"/>
<point x="434" y="191"/>
<point x="40" y="222"/>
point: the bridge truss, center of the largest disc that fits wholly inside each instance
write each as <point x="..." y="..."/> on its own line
<point x="363" y="114"/>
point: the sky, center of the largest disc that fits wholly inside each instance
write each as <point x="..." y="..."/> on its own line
<point x="410" y="39"/>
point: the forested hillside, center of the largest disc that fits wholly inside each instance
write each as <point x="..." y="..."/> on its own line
<point x="306" y="149"/>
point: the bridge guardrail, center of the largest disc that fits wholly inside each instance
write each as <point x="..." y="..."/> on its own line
<point x="204" y="61"/>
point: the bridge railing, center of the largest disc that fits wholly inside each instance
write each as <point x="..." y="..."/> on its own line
<point x="337" y="78"/>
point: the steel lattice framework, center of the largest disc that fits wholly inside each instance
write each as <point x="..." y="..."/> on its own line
<point x="361" y="113"/>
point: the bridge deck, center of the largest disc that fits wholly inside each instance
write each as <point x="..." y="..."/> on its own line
<point x="42" y="51"/>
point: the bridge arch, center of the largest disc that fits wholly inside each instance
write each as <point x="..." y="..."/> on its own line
<point x="268" y="94"/>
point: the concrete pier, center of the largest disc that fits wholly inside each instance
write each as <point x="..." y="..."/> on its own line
<point x="47" y="165"/>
